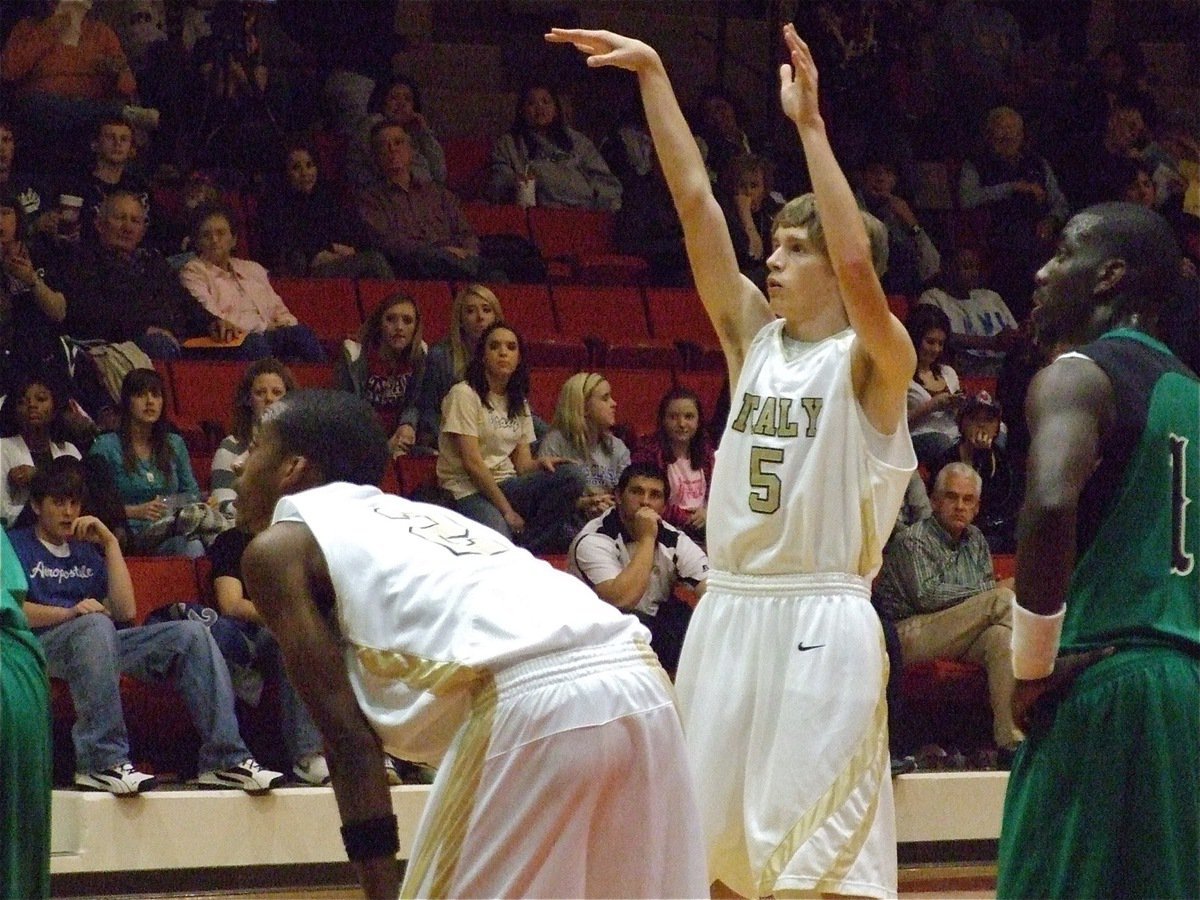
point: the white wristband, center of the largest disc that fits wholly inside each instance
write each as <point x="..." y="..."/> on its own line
<point x="1035" y="640"/>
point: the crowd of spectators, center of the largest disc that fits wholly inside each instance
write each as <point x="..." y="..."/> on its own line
<point x="119" y="162"/>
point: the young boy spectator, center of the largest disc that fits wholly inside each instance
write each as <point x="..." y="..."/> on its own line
<point x="79" y="589"/>
<point x="113" y="152"/>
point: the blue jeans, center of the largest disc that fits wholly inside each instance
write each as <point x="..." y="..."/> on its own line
<point x="295" y="342"/>
<point x="91" y="655"/>
<point x="300" y="734"/>
<point x="292" y="342"/>
<point x="545" y="500"/>
<point x="158" y="346"/>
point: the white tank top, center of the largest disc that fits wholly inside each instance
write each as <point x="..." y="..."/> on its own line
<point x="432" y="604"/>
<point x="803" y="483"/>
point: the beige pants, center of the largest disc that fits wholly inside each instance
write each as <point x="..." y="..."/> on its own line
<point x="978" y="630"/>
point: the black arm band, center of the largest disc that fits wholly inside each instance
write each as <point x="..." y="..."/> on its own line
<point x="371" y="838"/>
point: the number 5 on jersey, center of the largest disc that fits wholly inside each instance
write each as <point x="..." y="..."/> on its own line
<point x="765" y="487"/>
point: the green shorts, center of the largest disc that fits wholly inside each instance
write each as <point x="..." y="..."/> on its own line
<point x="25" y="763"/>
<point x="1105" y="802"/>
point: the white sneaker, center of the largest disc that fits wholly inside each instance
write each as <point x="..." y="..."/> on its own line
<point x="389" y="768"/>
<point x="248" y="775"/>
<point x="122" y="780"/>
<point x="312" y="769"/>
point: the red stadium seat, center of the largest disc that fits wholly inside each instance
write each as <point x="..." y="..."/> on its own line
<point x="545" y="382"/>
<point x="415" y="473"/>
<point x="638" y="392"/>
<point x="578" y="245"/>
<point x="329" y="306"/>
<point x="529" y="309"/>
<point x="973" y="384"/>
<point x="204" y="391"/>
<point x="312" y="374"/>
<point x="467" y="160"/>
<point x="677" y="314"/>
<point x="613" y="320"/>
<point x="488" y="219"/>
<point x="159" y="580"/>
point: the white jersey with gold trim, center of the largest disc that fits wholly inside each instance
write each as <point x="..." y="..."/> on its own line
<point x="432" y="604"/>
<point x="803" y="483"/>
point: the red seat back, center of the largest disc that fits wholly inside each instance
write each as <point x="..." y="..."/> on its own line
<point x="329" y="306"/>
<point x="159" y="580"/>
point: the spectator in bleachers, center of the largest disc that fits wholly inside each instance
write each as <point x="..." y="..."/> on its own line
<point x="259" y="653"/>
<point x="564" y="165"/>
<point x="239" y="292"/>
<point x="981" y="45"/>
<point x="385" y="367"/>
<point x="121" y="292"/>
<point x="66" y="68"/>
<point x="633" y="558"/>
<point x="31" y="434"/>
<point x="265" y="381"/>
<point x="475" y="308"/>
<point x="1025" y="207"/>
<point x="647" y="224"/>
<point x="305" y="230"/>
<point x="31" y="191"/>
<point x="979" y="421"/>
<point x="396" y="100"/>
<point x="913" y="260"/>
<point x="719" y="131"/>
<point x="1179" y="321"/>
<point x="79" y="589"/>
<point x="36" y="308"/>
<point x="151" y="469"/>
<point x="112" y="169"/>
<point x="418" y="224"/>
<point x="1174" y="161"/>
<point x="484" y="456"/>
<point x="1114" y="76"/>
<point x="1124" y="136"/>
<point x="982" y="329"/>
<point x="937" y="585"/>
<point x="933" y="395"/>
<point x="680" y="447"/>
<point x="745" y="194"/>
<point x="582" y="432"/>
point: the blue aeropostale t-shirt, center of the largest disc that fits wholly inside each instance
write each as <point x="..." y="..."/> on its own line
<point x="60" y="580"/>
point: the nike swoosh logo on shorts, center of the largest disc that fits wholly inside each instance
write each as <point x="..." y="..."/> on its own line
<point x="802" y="647"/>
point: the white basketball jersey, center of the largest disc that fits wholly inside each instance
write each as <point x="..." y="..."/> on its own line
<point x="431" y="604"/>
<point x="803" y="483"/>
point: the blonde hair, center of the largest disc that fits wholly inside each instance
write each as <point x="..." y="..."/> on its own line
<point x="460" y="353"/>
<point x="801" y="212"/>
<point x="570" y="414"/>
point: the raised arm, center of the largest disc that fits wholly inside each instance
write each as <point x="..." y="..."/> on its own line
<point x="285" y="572"/>
<point x="736" y="307"/>
<point x="883" y="355"/>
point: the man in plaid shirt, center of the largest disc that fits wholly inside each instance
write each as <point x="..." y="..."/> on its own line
<point x="937" y="585"/>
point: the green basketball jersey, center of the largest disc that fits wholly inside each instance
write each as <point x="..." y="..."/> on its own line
<point x="1137" y="582"/>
